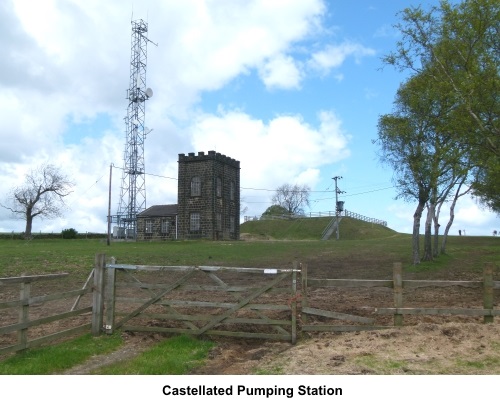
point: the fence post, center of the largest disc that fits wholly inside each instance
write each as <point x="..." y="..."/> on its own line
<point x="488" y="291"/>
<point x="303" y="276"/>
<point x="109" y="298"/>
<point x="294" y="303"/>
<point x="397" y="278"/>
<point x="24" y="295"/>
<point x="98" y="295"/>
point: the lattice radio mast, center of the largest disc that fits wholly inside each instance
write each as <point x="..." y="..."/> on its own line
<point x="133" y="188"/>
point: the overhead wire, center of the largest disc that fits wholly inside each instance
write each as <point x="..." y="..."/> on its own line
<point x="327" y="190"/>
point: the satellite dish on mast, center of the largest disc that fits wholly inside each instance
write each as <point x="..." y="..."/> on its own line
<point x="149" y="93"/>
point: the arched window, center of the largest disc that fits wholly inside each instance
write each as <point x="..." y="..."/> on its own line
<point x="195" y="186"/>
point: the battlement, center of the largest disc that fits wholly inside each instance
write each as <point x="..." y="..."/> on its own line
<point x="212" y="155"/>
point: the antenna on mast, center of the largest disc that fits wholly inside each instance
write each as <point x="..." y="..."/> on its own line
<point x="133" y="188"/>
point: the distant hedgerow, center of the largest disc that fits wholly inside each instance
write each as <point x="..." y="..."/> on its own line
<point x="69" y="233"/>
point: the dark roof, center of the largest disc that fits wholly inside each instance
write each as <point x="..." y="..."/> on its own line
<point x="159" y="211"/>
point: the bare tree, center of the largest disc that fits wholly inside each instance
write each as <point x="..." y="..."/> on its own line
<point x="292" y="198"/>
<point x="41" y="195"/>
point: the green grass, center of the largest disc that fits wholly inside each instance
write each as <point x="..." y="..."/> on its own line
<point x="375" y="244"/>
<point x="55" y="359"/>
<point x="483" y="364"/>
<point x="312" y="229"/>
<point x="175" y="356"/>
<point x="362" y="249"/>
<point x="380" y="366"/>
<point x="275" y="370"/>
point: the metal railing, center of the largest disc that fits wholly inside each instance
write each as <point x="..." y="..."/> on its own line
<point x="320" y="214"/>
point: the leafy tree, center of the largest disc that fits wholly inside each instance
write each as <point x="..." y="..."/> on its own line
<point x="416" y="142"/>
<point x="459" y="46"/>
<point x="41" y="195"/>
<point x="69" y="233"/>
<point x="401" y="148"/>
<point x="292" y="198"/>
<point x="275" y="210"/>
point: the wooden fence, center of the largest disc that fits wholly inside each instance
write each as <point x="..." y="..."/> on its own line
<point x="350" y="322"/>
<point x="228" y="301"/>
<point x="34" y="329"/>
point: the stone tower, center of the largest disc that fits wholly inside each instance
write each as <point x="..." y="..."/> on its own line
<point x="208" y="196"/>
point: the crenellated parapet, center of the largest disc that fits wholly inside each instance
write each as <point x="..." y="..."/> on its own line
<point x="211" y="155"/>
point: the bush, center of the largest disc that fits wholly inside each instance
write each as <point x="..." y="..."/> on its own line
<point x="69" y="233"/>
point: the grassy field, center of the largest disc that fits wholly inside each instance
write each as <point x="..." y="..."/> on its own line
<point x="312" y="229"/>
<point x="361" y="247"/>
<point x="360" y="244"/>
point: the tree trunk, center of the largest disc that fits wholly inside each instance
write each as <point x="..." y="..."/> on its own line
<point x="448" y="226"/>
<point x="416" y="232"/>
<point x="435" y="220"/>
<point x="452" y="214"/>
<point x="29" y="224"/>
<point x="428" y="235"/>
<point x="435" y="249"/>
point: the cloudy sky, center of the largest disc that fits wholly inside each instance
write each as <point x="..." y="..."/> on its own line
<point x="291" y="88"/>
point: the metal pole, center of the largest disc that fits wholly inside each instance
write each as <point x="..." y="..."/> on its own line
<point x="108" y="241"/>
<point x="337" y="191"/>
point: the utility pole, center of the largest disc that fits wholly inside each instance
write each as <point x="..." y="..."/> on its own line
<point x="337" y="208"/>
<point x="108" y="239"/>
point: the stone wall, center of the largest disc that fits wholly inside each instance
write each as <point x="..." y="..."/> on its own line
<point x="156" y="232"/>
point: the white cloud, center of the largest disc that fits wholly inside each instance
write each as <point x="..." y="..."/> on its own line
<point x="73" y="57"/>
<point x="333" y="56"/>
<point x="468" y="216"/>
<point x="68" y="62"/>
<point x="284" y="150"/>
<point x="281" y="72"/>
<point x="210" y="46"/>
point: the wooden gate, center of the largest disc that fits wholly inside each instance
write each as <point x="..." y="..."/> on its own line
<point x="211" y="300"/>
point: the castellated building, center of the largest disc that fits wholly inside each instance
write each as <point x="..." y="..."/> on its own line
<point x="208" y="202"/>
<point x="208" y="198"/>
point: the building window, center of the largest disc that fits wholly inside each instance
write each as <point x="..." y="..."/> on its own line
<point x="149" y="226"/>
<point x="194" y="222"/>
<point x="195" y="186"/>
<point x="219" y="221"/>
<point x="219" y="187"/>
<point x="231" y="224"/>
<point x="231" y="191"/>
<point x="164" y="226"/>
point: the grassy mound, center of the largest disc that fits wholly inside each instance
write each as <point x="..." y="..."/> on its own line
<point x="312" y="229"/>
